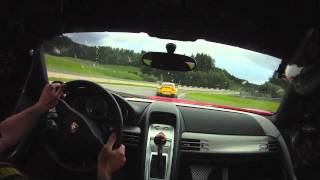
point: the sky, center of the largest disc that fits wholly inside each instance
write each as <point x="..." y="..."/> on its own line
<point x="252" y="66"/>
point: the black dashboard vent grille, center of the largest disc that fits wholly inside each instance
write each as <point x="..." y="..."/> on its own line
<point x="131" y="137"/>
<point x="273" y="146"/>
<point x="190" y="144"/>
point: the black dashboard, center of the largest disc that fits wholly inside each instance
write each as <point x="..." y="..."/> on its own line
<point x="219" y="122"/>
<point x="203" y="142"/>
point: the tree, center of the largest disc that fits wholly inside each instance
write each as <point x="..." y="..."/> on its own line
<point x="270" y="89"/>
<point x="282" y="83"/>
<point x="204" y="62"/>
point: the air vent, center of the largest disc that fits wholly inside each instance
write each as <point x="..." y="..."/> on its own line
<point x="273" y="146"/>
<point x="131" y="136"/>
<point x="190" y="144"/>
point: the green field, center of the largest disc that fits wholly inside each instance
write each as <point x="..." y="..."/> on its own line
<point x="89" y="68"/>
<point x="230" y="100"/>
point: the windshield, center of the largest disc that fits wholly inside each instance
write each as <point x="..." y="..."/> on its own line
<point x="225" y="75"/>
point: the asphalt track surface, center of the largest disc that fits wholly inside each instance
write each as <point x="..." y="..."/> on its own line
<point x="136" y="90"/>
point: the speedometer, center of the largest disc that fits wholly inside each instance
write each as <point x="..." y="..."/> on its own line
<point x="96" y="107"/>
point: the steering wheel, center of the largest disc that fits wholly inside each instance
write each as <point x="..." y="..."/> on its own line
<point x="72" y="139"/>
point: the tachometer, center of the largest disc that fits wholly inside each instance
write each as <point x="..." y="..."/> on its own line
<point x="96" y="107"/>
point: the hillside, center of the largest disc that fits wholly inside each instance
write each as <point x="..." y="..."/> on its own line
<point x="89" y="68"/>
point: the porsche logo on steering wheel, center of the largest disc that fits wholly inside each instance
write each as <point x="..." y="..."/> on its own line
<point x="74" y="127"/>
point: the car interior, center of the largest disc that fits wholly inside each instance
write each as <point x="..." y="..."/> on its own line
<point x="165" y="140"/>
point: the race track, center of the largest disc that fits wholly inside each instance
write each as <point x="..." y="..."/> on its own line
<point x="135" y="87"/>
<point x="136" y="90"/>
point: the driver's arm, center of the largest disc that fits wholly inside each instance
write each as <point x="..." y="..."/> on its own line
<point x="15" y="127"/>
<point x="109" y="159"/>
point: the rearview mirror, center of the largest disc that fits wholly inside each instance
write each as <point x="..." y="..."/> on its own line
<point x="169" y="61"/>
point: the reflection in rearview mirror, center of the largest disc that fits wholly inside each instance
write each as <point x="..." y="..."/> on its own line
<point x="168" y="61"/>
<point x="147" y="61"/>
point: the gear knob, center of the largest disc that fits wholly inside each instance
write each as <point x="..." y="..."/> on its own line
<point x="160" y="139"/>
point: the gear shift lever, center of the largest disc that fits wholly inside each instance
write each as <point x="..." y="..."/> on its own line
<point x="160" y="146"/>
<point x="160" y="140"/>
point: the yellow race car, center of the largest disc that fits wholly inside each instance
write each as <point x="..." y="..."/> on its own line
<point x="167" y="89"/>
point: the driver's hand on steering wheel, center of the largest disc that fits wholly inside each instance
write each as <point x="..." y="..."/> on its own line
<point x="109" y="159"/>
<point x="50" y="96"/>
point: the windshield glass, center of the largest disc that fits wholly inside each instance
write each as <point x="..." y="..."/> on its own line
<point x="225" y="75"/>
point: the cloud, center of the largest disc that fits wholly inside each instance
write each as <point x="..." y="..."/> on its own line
<point x="245" y="64"/>
<point x="90" y="39"/>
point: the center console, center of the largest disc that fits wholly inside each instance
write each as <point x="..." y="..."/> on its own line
<point x="159" y="151"/>
<point x="161" y="142"/>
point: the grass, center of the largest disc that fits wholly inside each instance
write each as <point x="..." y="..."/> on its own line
<point x="88" y="68"/>
<point x="59" y="79"/>
<point x="230" y="100"/>
<point x="51" y="79"/>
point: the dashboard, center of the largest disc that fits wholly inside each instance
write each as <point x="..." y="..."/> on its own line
<point x="98" y="108"/>
<point x="202" y="142"/>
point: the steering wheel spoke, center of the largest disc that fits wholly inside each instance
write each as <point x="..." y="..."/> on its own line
<point x="79" y="139"/>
